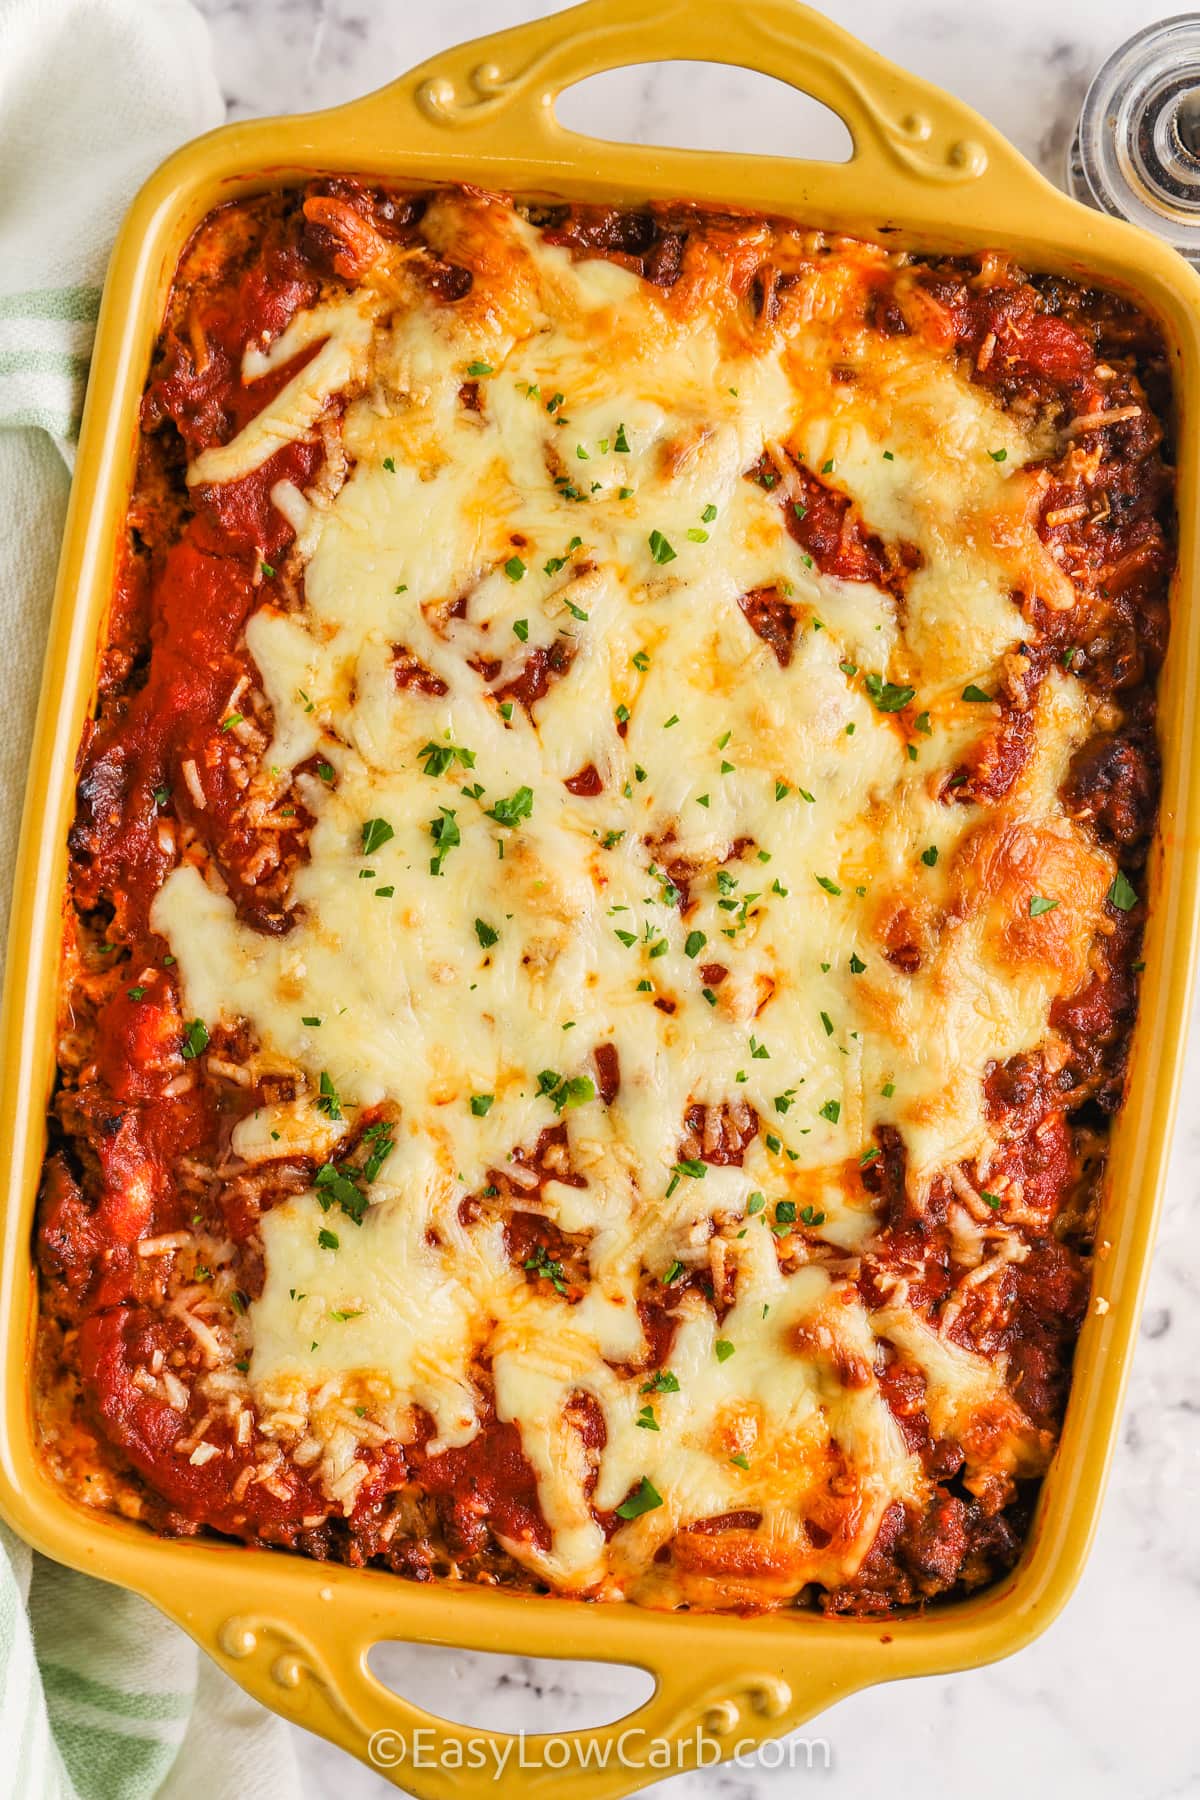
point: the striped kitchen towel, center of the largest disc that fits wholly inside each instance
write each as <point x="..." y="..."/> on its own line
<point x="100" y="1697"/>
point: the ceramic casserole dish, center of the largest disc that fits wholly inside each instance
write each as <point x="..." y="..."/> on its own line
<point x="933" y="176"/>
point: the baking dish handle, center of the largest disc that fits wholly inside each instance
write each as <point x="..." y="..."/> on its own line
<point x="496" y="95"/>
<point x="710" y="1703"/>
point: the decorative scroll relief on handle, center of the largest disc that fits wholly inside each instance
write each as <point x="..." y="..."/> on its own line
<point x="715" y="1713"/>
<point x="910" y="139"/>
<point x="491" y="90"/>
<point x="292" y="1662"/>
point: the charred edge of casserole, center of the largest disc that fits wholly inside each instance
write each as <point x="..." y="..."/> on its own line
<point x="1037" y="345"/>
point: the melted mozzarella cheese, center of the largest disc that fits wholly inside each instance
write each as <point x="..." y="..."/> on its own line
<point x="598" y="500"/>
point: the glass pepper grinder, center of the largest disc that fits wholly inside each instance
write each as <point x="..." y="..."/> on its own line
<point x="1136" y="151"/>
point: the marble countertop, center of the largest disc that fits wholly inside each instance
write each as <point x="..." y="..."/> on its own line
<point x="1103" y="1703"/>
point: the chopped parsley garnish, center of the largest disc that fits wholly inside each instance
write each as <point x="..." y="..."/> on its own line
<point x="521" y="630"/>
<point x="576" y="612"/>
<point x="887" y="695"/>
<point x="337" y="1187"/>
<point x="513" y="809"/>
<point x="646" y="1419"/>
<point x="672" y="1274"/>
<point x="312" y="1019"/>
<point x="694" y="943"/>
<point x="709" y="513"/>
<point x="741" y="1460"/>
<point x="759" y="1051"/>
<point x="785" y="1212"/>
<point x="697" y="534"/>
<point x="832" y="1110"/>
<point x="381" y="1148"/>
<point x="553" y="564"/>
<point x="195" y="1039"/>
<point x="663" y="1382"/>
<point x="929" y="857"/>
<point x="810" y="1216"/>
<point x="689" y="1165"/>
<point x="724" y="1349"/>
<point x="327" y="1240"/>
<point x="481" y="1104"/>
<point x="660" y="549"/>
<point x="566" y="1093"/>
<point x="440" y="757"/>
<point x="267" y="570"/>
<point x="1038" y="905"/>
<point x="644" y="1498"/>
<point x="831" y="887"/>
<point x="375" y="833"/>
<point x="621" y="442"/>
<point x="325" y="771"/>
<point x="992" y="1200"/>
<point x="857" y="965"/>
<point x="136" y="993"/>
<point x="233" y="719"/>
<point x="445" y="834"/>
<point x="328" y="1099"/>
<point x="998" y="455"/>
<point x="827" y="1022"/>
<point x="1122" y="894"/>
<point x="484" y="932"/>
<point x="389" y="463"/>
<point x="480" y="368"/>
<point x="975" y="694"/>
<point x="888" y="1089"/>
<point x="514" y="568"/>
<point x="540" y="1262"/>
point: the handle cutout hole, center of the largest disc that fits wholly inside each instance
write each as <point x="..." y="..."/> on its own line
<point x="704" y="106"/>
<point x="488" y="1692"/>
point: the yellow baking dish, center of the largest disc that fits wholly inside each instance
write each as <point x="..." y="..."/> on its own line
<point x="934" y="175"/>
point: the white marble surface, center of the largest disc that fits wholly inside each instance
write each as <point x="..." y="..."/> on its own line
<point x="1105" y="1704"/>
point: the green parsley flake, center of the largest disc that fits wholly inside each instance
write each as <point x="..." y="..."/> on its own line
<point x="1122" y="894"/>
<point x="484" y="932"/>
<point x="445" y="834"/>
<point x="481" y="1104"/>
<point x="375" y="832"/>
<point x="887" y="695"/>
<point x="1038" y="905"/>
<point x="644" y="1498"/>
<point x="660" y="549"/>
<point x="513" y="809"/>
<point x="514" y="568"/>
<point x="195" y="1039"/>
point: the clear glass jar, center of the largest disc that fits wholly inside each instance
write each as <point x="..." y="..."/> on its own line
<point x="1136" y="152"/>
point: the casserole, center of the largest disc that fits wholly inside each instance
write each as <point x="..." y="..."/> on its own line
<point x="773" y="1672"/>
